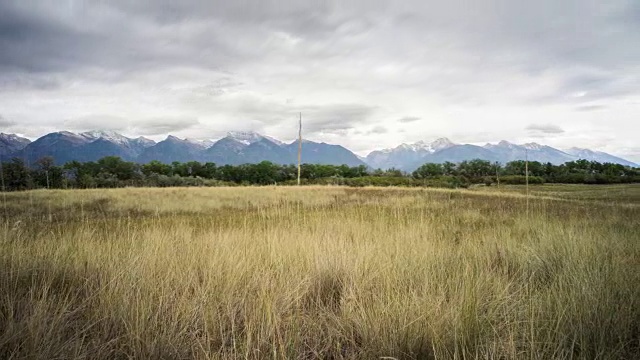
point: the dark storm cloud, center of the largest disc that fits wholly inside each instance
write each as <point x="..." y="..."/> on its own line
<point x="34" y="42"/>
<point x="545" y="128"/>
<point x="40" y="37"/>
<point x="124" y="36"/>
<point x="29" y="81"/>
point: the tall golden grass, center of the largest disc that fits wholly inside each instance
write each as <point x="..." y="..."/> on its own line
<point x="315" y="272"/>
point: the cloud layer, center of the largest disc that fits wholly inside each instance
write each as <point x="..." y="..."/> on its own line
<point x="364" y="74"/>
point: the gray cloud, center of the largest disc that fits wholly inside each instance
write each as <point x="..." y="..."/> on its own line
<point x="4" y="122"/>
<point x="14" y="81"/>
<point x="408" y="119"/>
<point x="96" y="121"/>
<point x="121" y="37"/>
<point x="203" y="68"/>
<point x="140" y="126"/>
<point x="163" y="125"/>
<point x="335" y="118"/>
<point x="545" y="128"/>
<point x="590" y="107"/>
<point x="378" y="130"/>
<point x="224" y="85"/>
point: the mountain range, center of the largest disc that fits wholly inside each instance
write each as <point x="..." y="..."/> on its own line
<point x="250" y="147"/>
<point x="410" y="156"/>
<point x="234" y="149"/>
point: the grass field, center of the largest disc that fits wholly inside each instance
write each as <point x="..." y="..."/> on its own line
<point x="321" y="272"/>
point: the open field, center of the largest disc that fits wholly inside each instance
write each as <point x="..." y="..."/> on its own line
<point x="321" y="272"/>
<point x="627" y="194"/>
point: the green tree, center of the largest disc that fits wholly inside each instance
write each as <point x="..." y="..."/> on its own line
<point x="428" y="170"/>
<point x="121" y="169"/>
<point x="16" y="175"/>
<point x="156" y="167"/>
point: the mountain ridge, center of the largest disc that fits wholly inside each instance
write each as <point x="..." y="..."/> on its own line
<point x="234" y="149"/>
<point x="408" y="157"/>
<point x="250" y="147"/>
<point x="10" y="143"/>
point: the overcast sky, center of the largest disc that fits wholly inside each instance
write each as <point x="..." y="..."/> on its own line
<point x="366" y="75"/>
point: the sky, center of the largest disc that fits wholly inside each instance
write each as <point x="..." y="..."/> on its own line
<point x="365" y="74"/>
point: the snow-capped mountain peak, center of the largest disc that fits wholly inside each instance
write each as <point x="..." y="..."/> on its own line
<point x="173" y="138"/>
<point x="502" y="144"/>
<point x="506" y="143"/>
<point x="68" y="136"/>
<point x="422" y="146"/>
<point x="250" y="137"/>
<point x="206" y="143"/>
<point x="532" y="146"/>
<point x="67" y="133"/>
<point x="441" y="143"/>
<point x="245" y="137"/>
<point x="11" y="142"/>
<point x="111" y="136"/>
<point x="144" y="142"/>
<point x="9" y="136"/>
<point x="403" y="146"/>
<point x="599" y="156"/>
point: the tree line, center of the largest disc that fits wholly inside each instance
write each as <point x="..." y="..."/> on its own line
<point x="112" y="171"/>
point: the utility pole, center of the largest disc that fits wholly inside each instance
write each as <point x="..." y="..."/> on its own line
<point x="498" y="173"/>
<point x="299" y="147"/>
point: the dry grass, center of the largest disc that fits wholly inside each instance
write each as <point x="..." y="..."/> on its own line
<point x="317" y="272"/>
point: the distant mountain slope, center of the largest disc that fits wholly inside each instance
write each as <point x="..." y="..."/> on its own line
<point x="172" y="149"/>
<point x="235" y="148"/>
<point x="459" y="153"/>
<point x="65" y="146"/>
<point x="323" y="153"/>
<point x="62" y="146"/>
<point x="598" y="156"/>
<point x="408" y="157"/>
<point x="247" y="147"/>
<point x="266" y="149"/>
<point x="507" y="151"/>
<point x="250" y="147"/>
<point x="11" y="143"/>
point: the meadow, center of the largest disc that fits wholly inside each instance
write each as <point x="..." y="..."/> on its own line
<point x="321" y="272"/>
